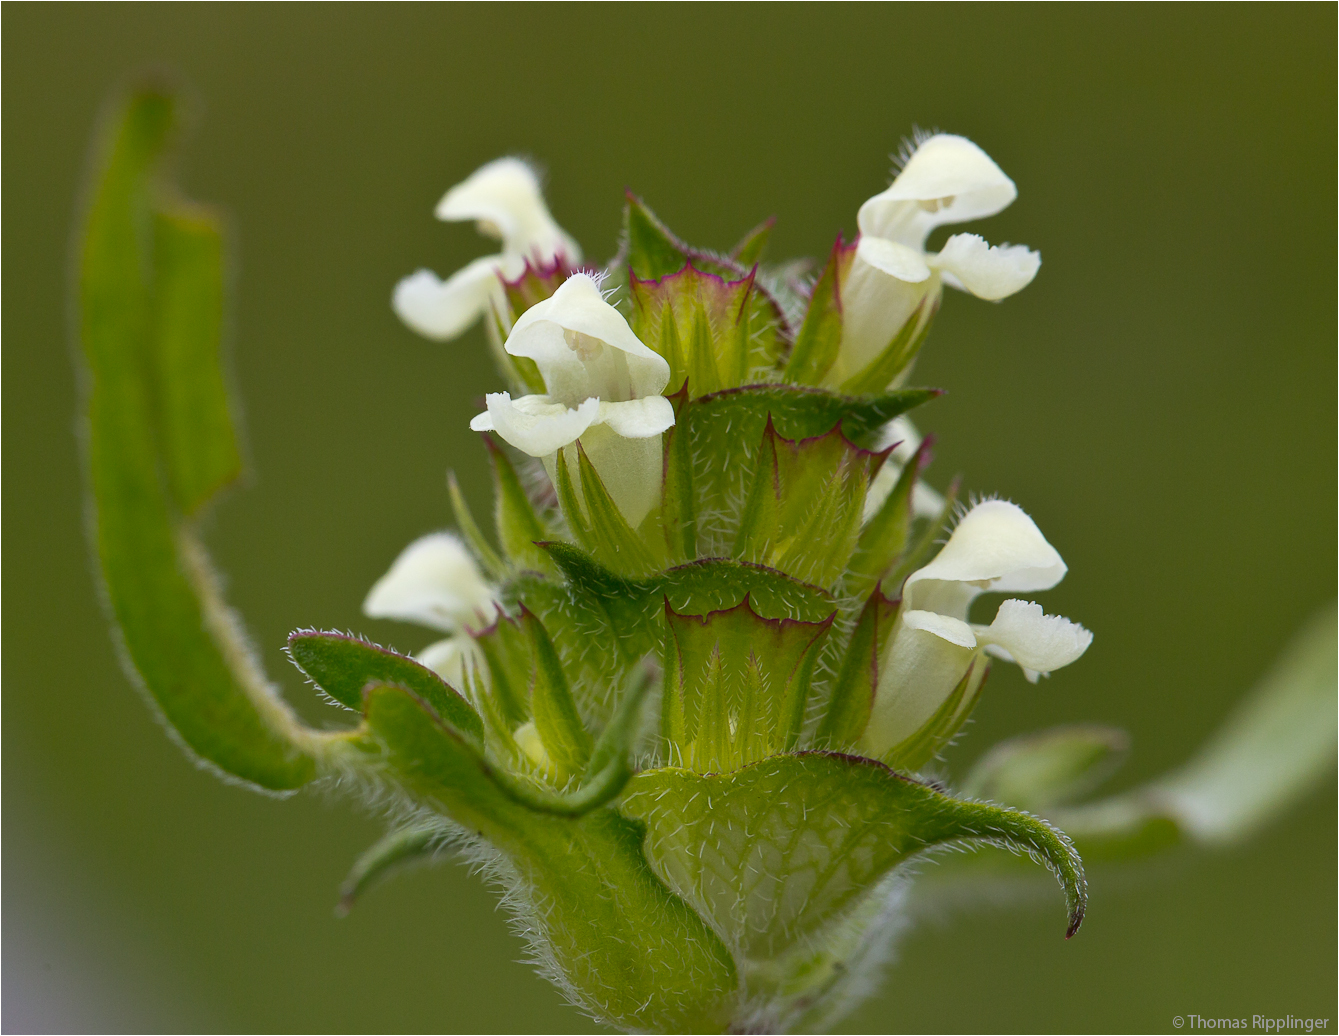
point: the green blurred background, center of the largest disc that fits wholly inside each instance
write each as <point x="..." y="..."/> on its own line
<point x="1161" y="400"/>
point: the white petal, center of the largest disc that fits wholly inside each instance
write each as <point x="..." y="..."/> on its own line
<point x="537" y="425"/>
<point x="638" y="418"/>
<point x="1038" y="642"/>
<point x="918" y="670"/>
<point x="955" y="631"/>
<point x="632" y="469"/>
<point x="987" y="271"/>
<point x="457" y="660"/>
<point x="947" y="180"/>
<point x="896" y="260"/>
<point x="505" y="198"/>
<point x="996" y="547"/>
<point x="435" y="582"/>
<point x="584" y="347"/>
<point x="875" y="307"/>
<point x="442" y="309"/>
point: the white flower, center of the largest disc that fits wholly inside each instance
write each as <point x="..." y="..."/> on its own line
<point x="435" y="582"/>
<point x="603" y="387"/>
<point x="948" y="179"/>
<point x="505" y="201"/>
<point x="996" y="548"/>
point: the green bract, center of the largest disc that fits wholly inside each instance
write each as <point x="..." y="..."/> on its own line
<point x="689" y="742"/>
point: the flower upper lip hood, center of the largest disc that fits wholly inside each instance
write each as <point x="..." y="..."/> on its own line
<point x="584" y="347"/>
<point x="948" y="179"/>
<point x="434" y="582"/>
<point x="595" y="369"/>
<point x="996" y="548"/>
<point x="505" y="201"/>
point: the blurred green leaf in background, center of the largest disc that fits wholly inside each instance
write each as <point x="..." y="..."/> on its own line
<point x="1162" y="394"/>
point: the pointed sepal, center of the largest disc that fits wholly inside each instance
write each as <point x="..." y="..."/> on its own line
<point x="932" y="736"/>
<point x="852" y="699"/>
<point x="897" y="356"/>
<point x="751" y="246"/>
<point x="805" y="504"/>
<point x="724" y="431"/>
<point x="519" y="527"/>
<point x="883" y="539"/>
<point x="820" y="336"/>
<point x="652" y="248"/>
<point x="483" y="550"/>
<point x="714" y="331"/>
<point x="552" y="707"/>
<point x="735" y="685"/>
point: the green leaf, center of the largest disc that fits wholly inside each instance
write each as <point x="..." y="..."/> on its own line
<point x="896" y="356"/>
<point x="820" y="336"/>
<point x="750" y="248"/>
<point x="736" y="685"/>
<point x="925" y="541"/>
<point x="724" y="431"/>
<point x="1048" y="768"/>
<point x="852" y="699"/>
<point x="910" y="754"/>
<point x="713" y="584"/>
<point x="699" y="587"/>
<point x="627" y="949"/>
<point x="465" y="520"/>
<point x="399" y="848"/>
<point x="1277" y="743"/>
<point x="883" y="538"/>
<point x="653" y="250"/>
<point x="342" y="665"/>
<point x="777" y="853"/>
<point x="519" y="528"/>
<point x="159" y="439"/>
<point x="555" y="713"/>
<point x="198" y="442"/>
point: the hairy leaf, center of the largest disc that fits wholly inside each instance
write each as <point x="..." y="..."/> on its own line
<point x="342" y="666"/>
<point x="632" y="952"/>
<point x="159" y="442"/>
<point x="778" y="852"/>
